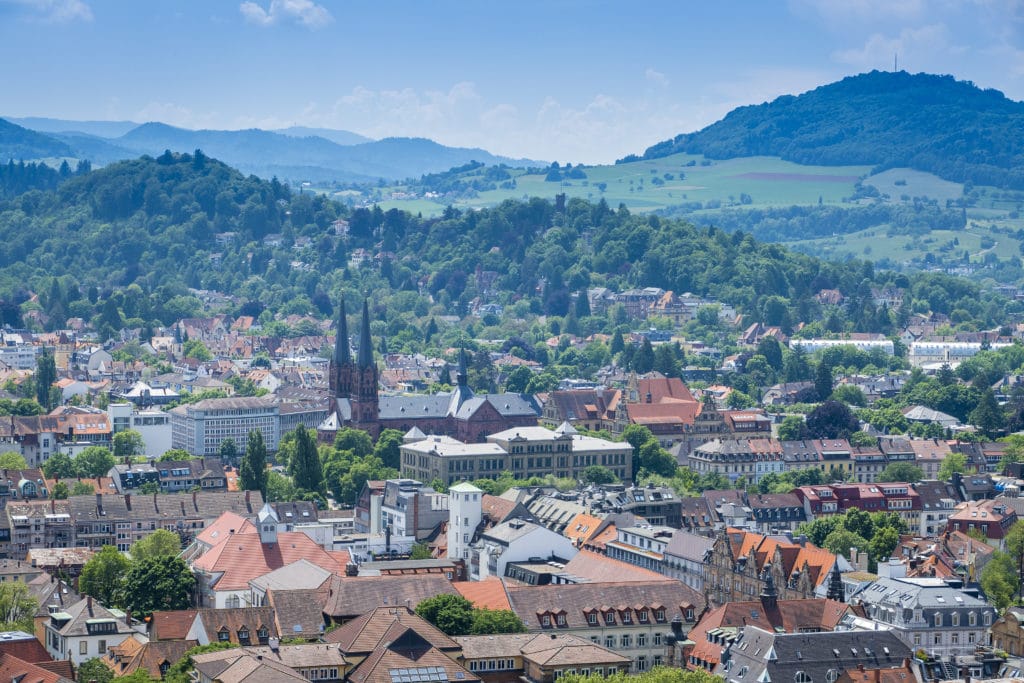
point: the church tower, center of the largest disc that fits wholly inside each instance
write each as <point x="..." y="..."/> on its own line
<point x="339" y="377"/>
<point x="356" y="381"/>
<point x="364" y="396"/>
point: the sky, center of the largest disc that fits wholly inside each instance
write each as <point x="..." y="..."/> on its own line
<point x="580" y="81"/>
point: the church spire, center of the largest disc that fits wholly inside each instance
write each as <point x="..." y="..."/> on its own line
<point x="835" y="584"/>
<point x="365" y="359"/>
<point x="341" y="351"/>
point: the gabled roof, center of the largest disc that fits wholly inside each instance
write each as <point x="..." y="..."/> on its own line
<point x="234" y="619"/>
<point x="172" y="624"/>
<point x="588" y="566"/>
<point x="486" y="594"/>
<point x="245" y="557"/>
<point x="350" y="596"/>
<point x="227" y="524"/>
<point x="368" y="632"/>
<point x="87" y="610"/>
<point x="408" y="658"/>
<point x="132" y="655"/>
<point x="15" y="669"/>
<point x="789" y="616"/>
<point x="299" y="574"/>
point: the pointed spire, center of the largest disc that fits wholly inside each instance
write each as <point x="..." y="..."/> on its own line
<point x="365" y="359"/>
<point x="341" y="351"/>
<point x="835" y="584"/>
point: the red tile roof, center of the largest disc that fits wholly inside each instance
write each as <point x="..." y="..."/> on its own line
<point x="486" y="594"/>
<point x="244" y="557"/>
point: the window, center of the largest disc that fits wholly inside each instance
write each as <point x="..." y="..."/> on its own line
<point x="243" y="636"/>
<point x="972" y="619"/>
<point x="609" y="642"/>
<point x="831" y="675"/>
<point x="627" y="617"/>
<point x="545" y="621"/>
<point x="657" y="639"/>
<point x="263" y="635"/>
<point x="83" y="647"/>
<point x="641" y="640"/>
<point x="642" y="616"/>
<point x="937" y="640"/>
<point x="954" y="638"/>
<point x="609" y="618"/>
<point x="101" y="648"/>
<point x="223" y="635"/>
<point x="641" y="663"/>
<point x="659" y="615"/>
<point x="592" y="619"/>
<point x="970" y="638"/>
<point x="625" y="641"/>
<point x="801" y="677"/>
<point x="917" y="639"/>
<point x="560" y="620"/>
<point x="956" y="618"/>
<point x="938" y="619"/>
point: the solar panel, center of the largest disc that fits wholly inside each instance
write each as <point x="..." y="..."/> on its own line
<point x="423" y="674"/>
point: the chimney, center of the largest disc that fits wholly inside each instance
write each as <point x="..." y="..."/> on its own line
<point x="128" y="617"/>
<point x="128" y="502"/>
<point x="99" y="502"/>
<point x="53" y="505"/>
<point x="156" y="505"/>
<point x="88" y="604"/>
<point x="194" y="504"/>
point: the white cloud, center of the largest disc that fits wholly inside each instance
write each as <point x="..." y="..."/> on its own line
<point x="913" y="46"/>
<point x="656" y="77"/>
<point x="54" y="11"/>
<point x="304" y="12"/>
<point x="841" y="12"/>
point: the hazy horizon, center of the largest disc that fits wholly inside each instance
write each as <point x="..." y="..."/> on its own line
<point x="562" y="80"/>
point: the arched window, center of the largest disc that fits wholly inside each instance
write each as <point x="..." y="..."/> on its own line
<point x="233" y="601"/>
<point x="831" y="676"/>
<point x="938" y="619"/>
<point x="801" y="677"/>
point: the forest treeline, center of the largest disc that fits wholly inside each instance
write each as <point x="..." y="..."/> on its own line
<point x="123" y="245"/>
<point x="888" y="120"/>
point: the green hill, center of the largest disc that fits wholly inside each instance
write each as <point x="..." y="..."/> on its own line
<point x="21" y="143"/>
<point x="931" y="123"/>
<point x="154" y="227"/>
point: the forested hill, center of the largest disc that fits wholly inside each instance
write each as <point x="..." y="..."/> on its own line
<point x="932" y="123"/>
<point x="162" y="225"/>
<point x="18" y="143"/>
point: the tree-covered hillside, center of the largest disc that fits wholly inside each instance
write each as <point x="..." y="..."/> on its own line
<point x="155" y="227"/>
<point x="932" y="123"/>
<point x="19" y="143"/>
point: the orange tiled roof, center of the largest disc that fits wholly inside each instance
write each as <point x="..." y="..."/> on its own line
<point x="244" y="557"/>
<point x="581" y="528"/>
<point x="487" y="594"/>
<point x="601" y="568"/>
<point x="222" y="528"/>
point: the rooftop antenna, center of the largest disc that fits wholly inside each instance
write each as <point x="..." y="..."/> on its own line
<point x="895" y="61"/>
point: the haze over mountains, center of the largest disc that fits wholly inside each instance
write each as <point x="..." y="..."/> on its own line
<point x="294" y="154"/>
<point x="885" y="119"/>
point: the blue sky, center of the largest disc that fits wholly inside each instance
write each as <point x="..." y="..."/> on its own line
<point x="563" y="80"/>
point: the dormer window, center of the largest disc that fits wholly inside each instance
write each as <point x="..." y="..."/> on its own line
<point x="224" y="635"/>
<point x="642" y="616"/>
<point x="592" y="618"/>
<point x="263" y="635"/>
<point x="545" y="620"/>
<point x="243" y="636"/>
<point x="609" y="618"/>
<point x="627" y="617"/>
<point x="659" y="615"/>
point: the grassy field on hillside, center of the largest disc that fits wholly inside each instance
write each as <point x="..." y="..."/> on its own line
<point x="660" y="183"/>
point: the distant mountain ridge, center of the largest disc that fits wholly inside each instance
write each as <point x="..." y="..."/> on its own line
<point x="293" y="154"/>
<point x="887" y="119"/>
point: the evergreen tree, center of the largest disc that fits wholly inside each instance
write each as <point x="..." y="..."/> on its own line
<point x="988" y="416"/>
<point x="823" y="381"/>
<point x="643" y="360"/>
<point x="618" y="343"/>
<point x="306" y="470"/>
<point x="252" y="474"/>
<point x="46" y="375"/>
